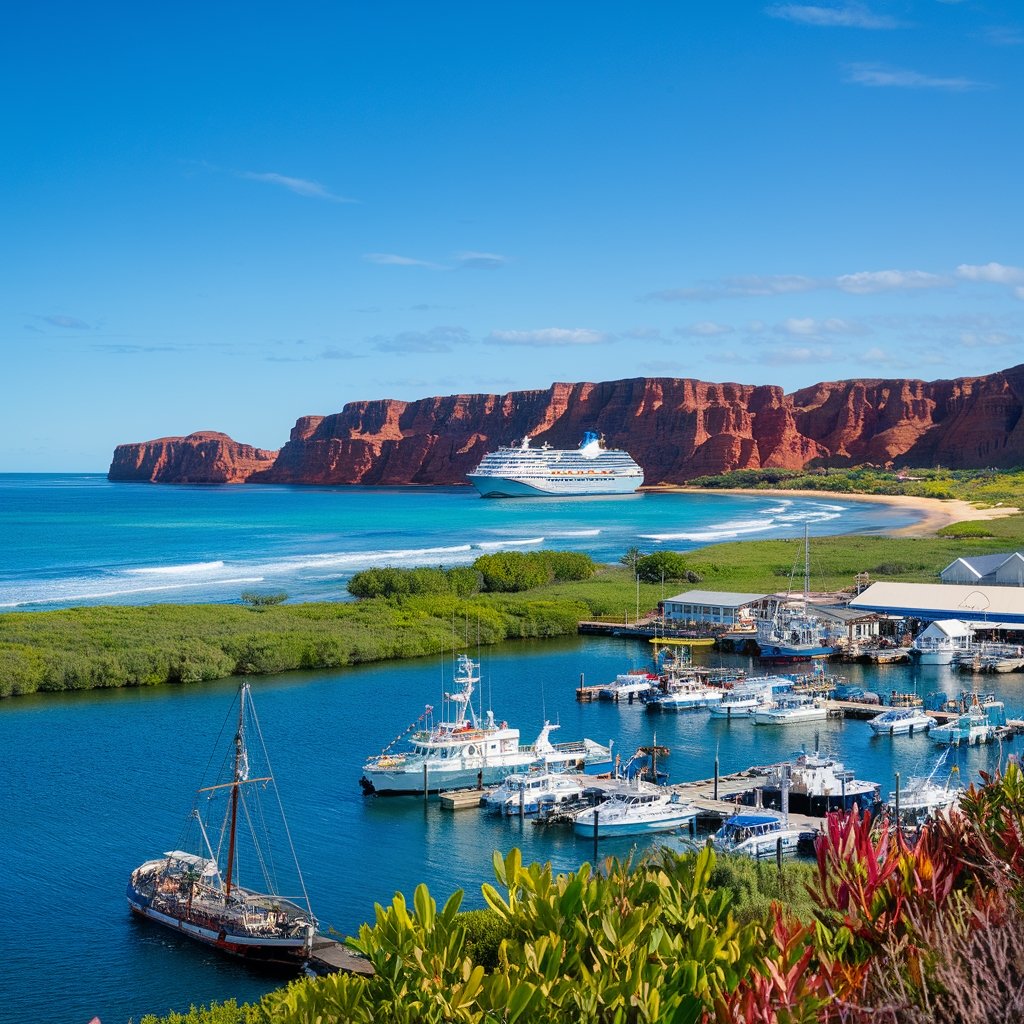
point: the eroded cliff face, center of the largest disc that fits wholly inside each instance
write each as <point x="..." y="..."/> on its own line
<point x="205" y="457"/>
<point x="676" y="429"/>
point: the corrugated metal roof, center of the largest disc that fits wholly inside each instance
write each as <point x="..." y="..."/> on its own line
<point x="720" y="597"/>
<point x="944" y="601"/>
<point x="982" y="564"/>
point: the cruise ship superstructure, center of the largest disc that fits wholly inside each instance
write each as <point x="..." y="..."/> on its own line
<point x="522" y="471"/>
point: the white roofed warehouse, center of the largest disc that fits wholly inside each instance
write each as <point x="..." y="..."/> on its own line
<point x="928" y="602"/>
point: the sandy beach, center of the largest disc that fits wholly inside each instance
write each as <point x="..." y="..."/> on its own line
<point x="935" y="512"/>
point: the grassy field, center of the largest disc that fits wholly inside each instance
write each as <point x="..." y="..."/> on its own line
<point x="984" y="487"/>
<point x="89" y="648"/>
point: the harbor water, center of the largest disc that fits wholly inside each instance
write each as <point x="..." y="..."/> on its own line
<point x="97" y="782"/>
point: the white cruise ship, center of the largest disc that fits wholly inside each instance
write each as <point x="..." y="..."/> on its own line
<point x="522" y="471"/>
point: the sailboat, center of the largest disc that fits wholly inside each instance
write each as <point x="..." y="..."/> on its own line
<point x="197" y="894"/>
<point x="794" y="633"/>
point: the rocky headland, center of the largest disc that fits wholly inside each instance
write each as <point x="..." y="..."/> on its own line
<point x="676" y="429"/>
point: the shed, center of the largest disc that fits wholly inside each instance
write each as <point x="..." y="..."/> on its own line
<point x="720" y="607"/>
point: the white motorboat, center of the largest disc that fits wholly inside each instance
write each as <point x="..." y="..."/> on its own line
<point x="923" y="797"/>
<point x="637" y="809"/>
<point x="815" y="784"/>
<point x="755" y="692"/>
<point x="756" y="834"/>
<point x="628" y="685"/>
<point x="463" y="749"/>
<point x="793" y="710"/>
<point x="900" y="721"/>
<point x="532" y="792"/>
<point x="687" y="696"/>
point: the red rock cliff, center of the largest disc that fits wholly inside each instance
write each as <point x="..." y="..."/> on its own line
<point x="204" y="457"/>
<point x="676" y="429"/>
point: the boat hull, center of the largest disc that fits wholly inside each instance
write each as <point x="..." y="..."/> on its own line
<point x="385" y="783"/>
<point x="770" y="718"/>
<point x="286" y="953"/>
<point x="606" y="830"/>
<point x="817" y="806"/>
<point x="511" y="487"/>
<point x="781" y="653"/>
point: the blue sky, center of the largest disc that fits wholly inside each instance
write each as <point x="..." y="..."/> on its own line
<point x="225" y="216"/>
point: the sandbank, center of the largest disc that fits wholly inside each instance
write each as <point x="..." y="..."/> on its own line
<point x="934" y="512"/>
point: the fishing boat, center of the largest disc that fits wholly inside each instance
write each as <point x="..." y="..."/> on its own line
<point x="901" y="721"/>
<point x="791" y="710"/>
<point x="923" y="797"/>
<point x="201" y="897"/>
<point x="467" y="748"/>
<point x="520" y="470"/>
<point x="756" y="834"/>
<point x="815" y="784"/>
<point x="793" y="632"/>
<point x="637" y="809"/>
<point x="966" y="730"/>
<point x="532" y="793"/>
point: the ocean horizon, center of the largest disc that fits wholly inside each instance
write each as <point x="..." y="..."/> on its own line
<point x="79" y="539"/>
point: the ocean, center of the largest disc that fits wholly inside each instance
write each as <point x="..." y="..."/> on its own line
<point x="78" y="539"/>
<point x="97" y="782"/>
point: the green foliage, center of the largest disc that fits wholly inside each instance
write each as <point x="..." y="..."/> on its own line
<point x="631" y="558"/>
<point x="516" y="571"/>
<point x="389" y="581"/>
<point x="970" y="529"/>
<point x="662" y="565"/>
<point x="257" y="600"/>
<point x="754" y="885"/>
<point x="983" y="486"/>
<point x="217" y="1013"/>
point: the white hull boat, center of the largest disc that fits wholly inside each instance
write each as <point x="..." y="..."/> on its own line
<point x="532" y="793"/>
<point x="901" y="721"/>
<point x="637" y="810"/>
<point x="757" y="834"/>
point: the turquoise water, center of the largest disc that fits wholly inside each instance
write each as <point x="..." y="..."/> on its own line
<point x="95" y="783"/>
<point x="78" y="539"/>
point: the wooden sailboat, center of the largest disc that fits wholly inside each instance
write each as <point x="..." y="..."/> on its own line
<point x="190" y="892"/>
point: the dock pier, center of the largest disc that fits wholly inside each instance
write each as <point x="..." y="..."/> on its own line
<point x="329" y="956"/>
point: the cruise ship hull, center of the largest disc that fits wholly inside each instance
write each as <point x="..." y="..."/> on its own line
<point x="508" y="487"/>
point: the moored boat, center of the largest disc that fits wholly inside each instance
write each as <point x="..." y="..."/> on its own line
<point x="637" y="809"/>
<point x="815" y="784"/>
<point x="532" y="793"/>
<point x="466" y="748"/>
<point x="792" y="710"/>
<point x="196" y="896"/>
<point x="900" y="721"/>
<point x="756" y="834"/>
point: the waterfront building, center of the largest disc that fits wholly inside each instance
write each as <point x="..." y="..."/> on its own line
<point x="717" y="607"/>
<point x="997" y="607"/>
<point x="1000" y="570"/>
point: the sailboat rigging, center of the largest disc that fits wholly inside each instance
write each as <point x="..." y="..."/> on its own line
<point x="191" y="894"/>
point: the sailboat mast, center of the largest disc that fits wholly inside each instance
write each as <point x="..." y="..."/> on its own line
<point x="234" y="792"/>
<point x="807" y="567"/>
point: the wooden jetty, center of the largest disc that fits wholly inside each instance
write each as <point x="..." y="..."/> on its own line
<point x="460" y="799"/>
<point x="330" y="956"/>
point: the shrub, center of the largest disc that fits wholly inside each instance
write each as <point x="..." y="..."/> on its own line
<point x="662" y="565"/>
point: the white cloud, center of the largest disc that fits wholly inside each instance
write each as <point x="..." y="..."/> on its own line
<point x="60" y="320"/>
<point x="481" y="260"/>
<point x="390" y="259"/>
<point x="987" y="339"/>
<point x="787" y="356"/>
<point x="994" y="273"/>
<point x="733" y="287"/>
<point x="878" y="75"/>
<point x="547" y="337"/>
<point x="809" y="327"/>
<point x="851" y="15"/>
<point x="300" y="186"/>
<point x="1003" y="35"/>
<point x="704" y="329"/>
<point x="438" y="339"/>
<point x="868" y="281"/>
